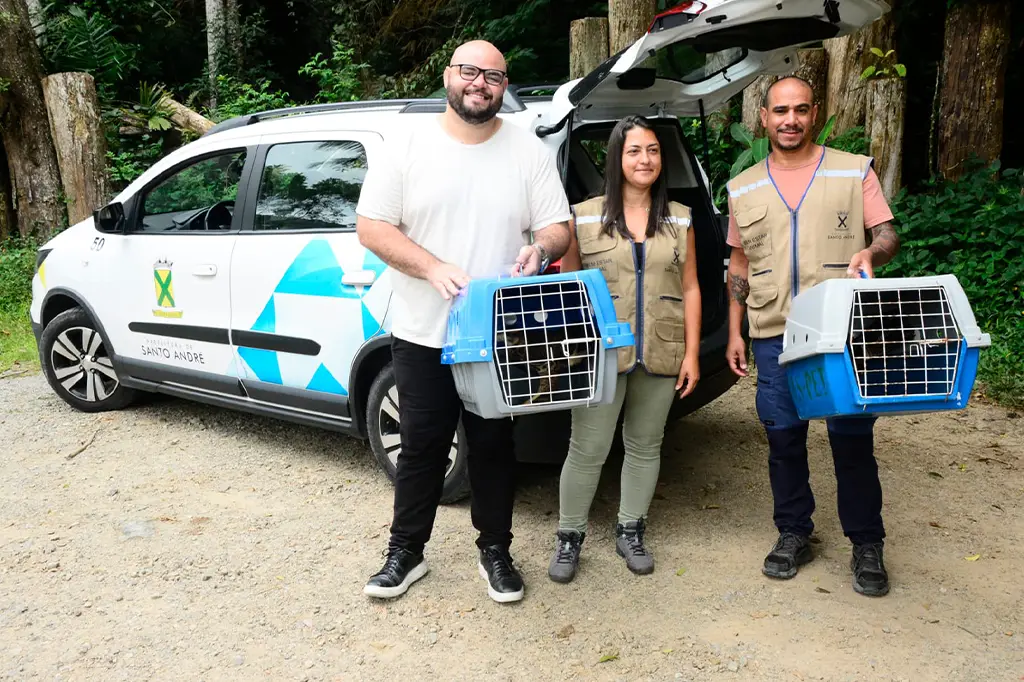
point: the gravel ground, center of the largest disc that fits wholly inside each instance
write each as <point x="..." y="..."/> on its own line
<point x="192" y="543"/>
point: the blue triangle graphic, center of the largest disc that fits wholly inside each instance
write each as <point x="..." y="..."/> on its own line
<point x="263" y="363"/>
<point x="314" y="272"/>
<point x="267" y="321"/>
<point x="325" y="382"/>
<point x="370" y="323"/>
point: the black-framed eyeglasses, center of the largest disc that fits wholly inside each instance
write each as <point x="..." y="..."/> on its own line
<point x="468" y="72"/>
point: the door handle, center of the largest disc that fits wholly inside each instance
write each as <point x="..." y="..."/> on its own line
<point x="359" y="278"/>
<point x="205" y="270"/>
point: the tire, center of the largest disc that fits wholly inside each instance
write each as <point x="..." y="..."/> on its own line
<point x="76" y="361"/>
<point x="382" y="429"/>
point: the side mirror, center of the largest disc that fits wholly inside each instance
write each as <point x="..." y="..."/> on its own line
<point x="110" y="219"/>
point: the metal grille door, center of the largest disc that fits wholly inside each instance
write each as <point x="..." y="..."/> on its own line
<point x="904" y="342"/>
<point x="546" y="345"/>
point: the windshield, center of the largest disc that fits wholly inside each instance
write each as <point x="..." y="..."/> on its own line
<point x="683" y="63"/>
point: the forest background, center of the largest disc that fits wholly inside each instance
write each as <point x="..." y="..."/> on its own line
<point x="935" y="91"/>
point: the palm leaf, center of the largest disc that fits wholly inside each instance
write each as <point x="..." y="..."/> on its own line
<point x="826" y="132"/>
<point x="741" y="134"/>
<point x="760" y="148"/>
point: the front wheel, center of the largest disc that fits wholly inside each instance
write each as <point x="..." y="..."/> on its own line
<point x="76" y="361"/>
<point x="382" y="425"/>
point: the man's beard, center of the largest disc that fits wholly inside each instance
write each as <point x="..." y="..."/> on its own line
<point x="792" y="145"/>
<point x="473" y="116"/>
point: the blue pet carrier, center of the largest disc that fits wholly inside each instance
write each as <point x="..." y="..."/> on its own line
<point x="881" y="347"/>
<point x="533" y="344"/>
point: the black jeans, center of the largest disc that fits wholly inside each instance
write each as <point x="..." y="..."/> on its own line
<point x="429" y="408"/>
<point x="859" y="492"/>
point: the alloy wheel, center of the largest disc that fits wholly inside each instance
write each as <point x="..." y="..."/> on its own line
<point x="81" y="365"/>
<point x="390" y="437"/>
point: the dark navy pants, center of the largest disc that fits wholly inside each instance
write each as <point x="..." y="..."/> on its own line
<point x="853" y="453"/>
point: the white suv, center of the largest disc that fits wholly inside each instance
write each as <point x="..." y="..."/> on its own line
<point x="230" y="272"/>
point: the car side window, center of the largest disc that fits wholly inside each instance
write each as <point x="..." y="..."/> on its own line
<point x="311" y="185"/>
<point x="200" y="196"/>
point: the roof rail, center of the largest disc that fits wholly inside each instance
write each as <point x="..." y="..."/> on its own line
<point x="331" y="107"/>
<point x="511" y="103"/>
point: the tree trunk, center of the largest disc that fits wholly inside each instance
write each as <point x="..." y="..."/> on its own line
<point x="588" y="45"/>
<point x="753" y="98"/>
<point x="813" y="68"/>
<point x="216" y="36"/>
<point x="233" y="29"/>
<point x="973" y="83"/>
<point x="36" y="19"/>
<point x="627" y="21"/>
<point x="24" y="129"/>
<point x="6" y="212"/>
<point x="78" y="137"/>
<point x="884" y="125"/>
<point x="186" y="119"/>
<point x="847" y="58"/>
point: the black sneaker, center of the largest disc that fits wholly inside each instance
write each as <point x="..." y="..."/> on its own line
<point x="566" y="559"/>
<point x="401" y="569"/>
<point x="789" y="553"/>
<point x="869" y="575"/>
<point x="629" y="544"/>
<point x="504" y="584"/>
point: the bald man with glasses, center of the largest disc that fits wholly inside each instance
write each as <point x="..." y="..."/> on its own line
<point x="456" y="198"/>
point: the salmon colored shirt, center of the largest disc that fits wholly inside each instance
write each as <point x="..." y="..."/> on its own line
<point x="793" y="182"/>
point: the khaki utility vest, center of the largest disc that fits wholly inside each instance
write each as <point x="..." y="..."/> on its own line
<point x="792" y="249"/>
<point x="660" y="332"/>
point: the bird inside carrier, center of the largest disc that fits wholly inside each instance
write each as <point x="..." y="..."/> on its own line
<point x="904" y="342"/>
<point x="546" y="343"/>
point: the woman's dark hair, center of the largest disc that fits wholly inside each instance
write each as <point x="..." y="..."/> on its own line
<point x="614" y="219"/>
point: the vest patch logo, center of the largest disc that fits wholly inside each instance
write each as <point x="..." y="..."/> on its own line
<point x="842" y="216"/>
<point x="675" y="256"/>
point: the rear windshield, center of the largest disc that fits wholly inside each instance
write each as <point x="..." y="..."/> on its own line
<point x="683" y="63"/>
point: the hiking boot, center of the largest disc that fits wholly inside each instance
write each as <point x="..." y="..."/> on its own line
<point x="566" y="559"/>
<point x="869" y="575"/>
<point x="401" y="569"/>
<point x="629" y="544"/>
<point x="504" y="584"/>
<point x="789" y="553"/>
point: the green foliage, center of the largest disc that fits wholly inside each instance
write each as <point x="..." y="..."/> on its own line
<point x="756" y="148"/>
<point x="17" y="266"/>
<point x="151" y="112"/>
<point x="337" y="76"/>
<point x="853" y="141"/>
<point x="886" y="66"/>
<point x="79" y="41"/>
<point x="972" y="228"/>
<point x="132" y="160"/>
<point x="237" y="98"/>
<point x="5" y="85"/>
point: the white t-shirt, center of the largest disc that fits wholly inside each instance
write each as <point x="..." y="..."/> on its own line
<point x="471" y="205"/>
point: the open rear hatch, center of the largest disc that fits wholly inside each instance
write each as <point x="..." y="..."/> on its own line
<point x="699" y="54"/>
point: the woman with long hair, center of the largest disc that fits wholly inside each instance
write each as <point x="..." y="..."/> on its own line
<point x="644" y="246"/>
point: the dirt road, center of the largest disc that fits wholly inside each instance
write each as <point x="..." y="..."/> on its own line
<point x="191" y="543"/>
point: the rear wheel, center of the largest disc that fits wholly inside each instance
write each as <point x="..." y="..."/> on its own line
<point x="76" y="361"/>
<point x="382" y="425"/>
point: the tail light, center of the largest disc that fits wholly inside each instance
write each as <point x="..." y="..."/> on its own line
<point x="691" y="7"/>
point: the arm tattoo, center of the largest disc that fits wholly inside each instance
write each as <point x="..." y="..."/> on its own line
<point x="739" y="287"/>
<point x="884" y="244"/>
